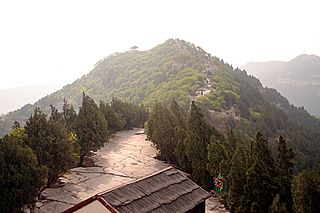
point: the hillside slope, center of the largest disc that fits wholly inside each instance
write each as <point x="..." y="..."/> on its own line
<point x="15" y="98"/>
<point x="230" y="98"/>
<point x="298" y="79"/>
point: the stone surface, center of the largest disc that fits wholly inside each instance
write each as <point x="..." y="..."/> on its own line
<point x="213" y="205"/>
<point x="126" y="157"/>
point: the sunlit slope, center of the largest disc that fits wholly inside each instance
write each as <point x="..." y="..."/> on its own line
<point x="230" y="98"/>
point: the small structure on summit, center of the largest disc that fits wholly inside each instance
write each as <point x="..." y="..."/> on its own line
<point x="168" y="190"/>
<point x="134" y="47"/>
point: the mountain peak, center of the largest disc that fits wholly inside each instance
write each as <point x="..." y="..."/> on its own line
<point x="305" y="58"/>
<point x="185" y="46"/>
<point x="179" y="42"/>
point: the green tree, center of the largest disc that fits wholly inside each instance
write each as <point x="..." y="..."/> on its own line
<point x="18" y="133"/>
<point x="161" y="132"/>
<point x="91" y="127"/>
<point x="259" y="187"/>
<point x="278" y="206"/>
<point x="115" y="123"/>
<point x="125" y="112"/>
<point x="179" y="136"/>
<point x="218" y="156"/>
<point x="69" y="115"/>
<point x="306" y="191"/>
<point x="285" y="168"/>
<point x="51" y="142"/>
<point x="21" y="177"/>
<point x="237" y="178"/>
<point x="198" y="137"/>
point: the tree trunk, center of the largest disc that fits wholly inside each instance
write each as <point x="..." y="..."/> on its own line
<point x="81" y="160"/>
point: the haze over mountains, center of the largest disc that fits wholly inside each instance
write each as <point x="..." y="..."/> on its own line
<point x="181" y="70"/>
<point x="15" y="98"/>
<point x="298" y="80"/>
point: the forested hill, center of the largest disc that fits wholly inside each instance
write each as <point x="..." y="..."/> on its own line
<point x="298" y="79"/>
<point x="186" y="72"/>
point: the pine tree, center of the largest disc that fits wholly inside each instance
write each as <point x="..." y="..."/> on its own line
<point x="217" y="156"/>
<point x="143" y="116"/>
<point x="198" y="137"/>
<point x="278" y="206"/>
<point x="112" y="118"/>
<point x="180" y="127"/>
<point x="285" y="167"/>
<point x="51" y="142"/>
<point x="21" y="177"/>
<point x="306" y="191"/>
<point x="237" y="178"/>
<point x="161" y="132"/>
<point x="91" y="127"/>
<point x="125" y="112"/>
<point x="259" y="187"/>
<point x="69" y="115"/>
<point x="18" y="133"/>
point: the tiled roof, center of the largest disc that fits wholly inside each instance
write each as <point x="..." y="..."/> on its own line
<point x="166" y="191"/>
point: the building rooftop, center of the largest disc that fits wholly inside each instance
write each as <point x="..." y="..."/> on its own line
<point x="168" y="190"/>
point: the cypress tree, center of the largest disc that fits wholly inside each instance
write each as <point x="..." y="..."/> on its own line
<point x="217" y="156"/>
<point x="112" y="118"/>
<point x="259" y="185"/>
<point x="21" y="176"/>
<point x="198" y="137"/>
<point x="161" y="132"/>
<point x="51" y="142"/>
<point x="285" y="167"/>
<point x="180" y="127"/>
<point x="278" y="206"/>
<point x="91" y="127"/>
<point x="237" y="179"/>
<point x="306" y="191"/>
<point x="69" y="115"/>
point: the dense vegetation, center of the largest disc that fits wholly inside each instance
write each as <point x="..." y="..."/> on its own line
<point x="232" y="128"/>
<point x="179" y="69"/>
<point x="256" y="181"/>
<point x="36" y="155"/>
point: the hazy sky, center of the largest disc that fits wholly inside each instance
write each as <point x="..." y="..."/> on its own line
<point x="56" y="42"/>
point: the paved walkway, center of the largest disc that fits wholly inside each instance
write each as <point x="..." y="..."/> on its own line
<point x="126" y="157"/>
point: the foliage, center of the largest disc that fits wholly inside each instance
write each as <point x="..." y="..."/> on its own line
<point x="51" y="142"/>
<point x="285" y="168"/>
<point x="198" y="137"/>
<point x="237" y="178"/>
<point x="258" y="188"/>
<point x="129" y="115"/>
<point x="115" y="122"/>
<point x="178" y="69"/>
<point x="69" y="115"/>
<point x="161" y="132"/>
<point x="306" y="191"/>
<point x="21" y="177"/>
<point x="91" y="127"/>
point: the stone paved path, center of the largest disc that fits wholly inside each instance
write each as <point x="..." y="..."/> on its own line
<point x="126" y="157"/>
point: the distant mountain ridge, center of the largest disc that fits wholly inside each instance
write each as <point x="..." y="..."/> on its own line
<point x="298" y="79"/>
<point x="178" y="69"/>
<point x="14" y="98"/>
